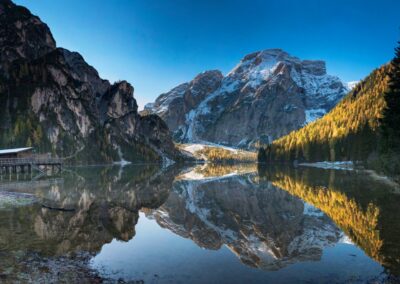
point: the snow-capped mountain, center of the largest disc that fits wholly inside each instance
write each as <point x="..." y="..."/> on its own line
<point x="267" y="95"/>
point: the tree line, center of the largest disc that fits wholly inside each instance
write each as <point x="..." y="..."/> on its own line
<point x="364" y="126"/>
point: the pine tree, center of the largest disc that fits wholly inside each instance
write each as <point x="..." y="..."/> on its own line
<point x="391" y="114"/>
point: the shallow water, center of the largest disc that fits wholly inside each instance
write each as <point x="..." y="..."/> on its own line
<point x="205" y="224"/>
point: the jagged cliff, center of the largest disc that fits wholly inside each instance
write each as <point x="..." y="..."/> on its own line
<point x="53" y="100"/>
<point x="267" y="95"/>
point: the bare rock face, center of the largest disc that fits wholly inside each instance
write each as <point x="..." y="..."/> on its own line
<point x="174" y="106"/>
<point x="22" y="35"/>
<point x="267" y="95"/>
<point x="53" y="100"/>
<point x="82" y="71"/>
<point x="117" y="101"/>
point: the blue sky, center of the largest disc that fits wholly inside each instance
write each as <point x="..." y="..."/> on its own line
<point x="158" y="44"/>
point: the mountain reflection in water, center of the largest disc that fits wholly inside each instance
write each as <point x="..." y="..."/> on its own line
<point x="274" y="220"/>
<point x="261" y="224"/>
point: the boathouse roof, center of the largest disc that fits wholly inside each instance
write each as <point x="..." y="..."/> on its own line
<point x="15" y="150"/>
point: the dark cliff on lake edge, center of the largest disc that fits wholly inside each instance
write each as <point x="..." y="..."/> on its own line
<point x="51" y="99"/>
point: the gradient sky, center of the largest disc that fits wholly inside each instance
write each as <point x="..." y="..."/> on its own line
<point x="158" y="44"/>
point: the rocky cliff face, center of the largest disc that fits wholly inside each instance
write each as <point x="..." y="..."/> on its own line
<point x="174" y="106"/>
<point x="22" y="35"/>
<point x="267" y="95"/>
<point x="53" y="100"/>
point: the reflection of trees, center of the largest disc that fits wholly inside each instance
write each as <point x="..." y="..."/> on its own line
<point x="263" y="225"/>
<point x="105" y="203"/>
<point x="365" y="210"/>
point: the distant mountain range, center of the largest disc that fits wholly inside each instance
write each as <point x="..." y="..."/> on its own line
<point x="53" y="100"/>
<point x="50" y="98"/>
<point x="267" y="95"/>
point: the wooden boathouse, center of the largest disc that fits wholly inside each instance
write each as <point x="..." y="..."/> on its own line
<point x="23" y="160"/>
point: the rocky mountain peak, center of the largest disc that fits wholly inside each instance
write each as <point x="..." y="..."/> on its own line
<point x="262" y="65"/>
<point x="83" y="71"/>
<point x="267" y="95"/>
<point x="200" y="85"/>
<point x="173" y="106"/>
<point x="314" y="67"/>
<point x="207" y="79"/>
<point x="22" y="35"/>
<point x="208" y="74"/>
<point x="203" y="83"/>
<point x="258" y="65"/>
<point x="267" y="55"/>
<point x="118" y="101"/>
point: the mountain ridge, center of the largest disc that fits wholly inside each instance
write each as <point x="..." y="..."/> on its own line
<point x="55" y="101"/>
<point x="266" y="89"/>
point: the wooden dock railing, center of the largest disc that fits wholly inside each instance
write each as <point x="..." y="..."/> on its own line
<point x="14" y="165"/>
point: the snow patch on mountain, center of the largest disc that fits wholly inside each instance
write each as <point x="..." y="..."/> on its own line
<point x="311" y="210"/>
<point x="164" y="101"/>
<point x="314" y="114"/>
<point x="251" y="103"/>
<point x="351" y="85"/>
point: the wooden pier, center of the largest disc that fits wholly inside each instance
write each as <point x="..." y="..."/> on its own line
<point x="27" y="165"/>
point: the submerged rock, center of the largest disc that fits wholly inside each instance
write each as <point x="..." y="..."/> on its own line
<point x="10" y="200"/>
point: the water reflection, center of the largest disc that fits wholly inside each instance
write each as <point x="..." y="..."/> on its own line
<point x="261" y="224"/>
<point x="270" y="219"/>
<point x="98" y="205"/>
<point x="366" y="210"/>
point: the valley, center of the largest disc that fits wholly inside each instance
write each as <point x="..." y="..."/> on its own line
<point x="232" y="142"/>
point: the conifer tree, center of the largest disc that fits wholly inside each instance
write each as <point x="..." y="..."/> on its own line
<point x="391" y="114"/>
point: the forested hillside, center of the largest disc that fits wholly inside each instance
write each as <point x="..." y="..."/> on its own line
<point x="364" y="126"/>
<point x="348" y="132"/>
<point x="389" y="146"/>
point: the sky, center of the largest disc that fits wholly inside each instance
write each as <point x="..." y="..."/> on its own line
<point x="157" y="44"/>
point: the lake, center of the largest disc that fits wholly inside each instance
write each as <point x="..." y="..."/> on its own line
<point x="200" y="224"/>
